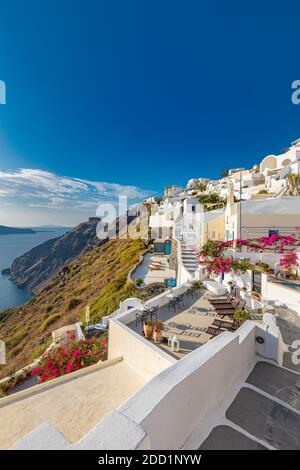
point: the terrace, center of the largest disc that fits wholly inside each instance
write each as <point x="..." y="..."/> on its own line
<point x="189" y="321"/>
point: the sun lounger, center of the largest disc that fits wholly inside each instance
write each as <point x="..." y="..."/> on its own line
<point x="217" y="301"/>
<point x="227" y="325"/>
<point x="153" y="267"/>
<point x="223" y="307"/>
<point x="213" y="331"/>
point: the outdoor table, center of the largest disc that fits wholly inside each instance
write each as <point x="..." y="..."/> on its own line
<point x="142" y="314"/>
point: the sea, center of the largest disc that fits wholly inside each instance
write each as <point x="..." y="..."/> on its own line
<point x="12" y="246"/>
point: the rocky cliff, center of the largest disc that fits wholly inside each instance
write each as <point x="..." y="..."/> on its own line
<point x="33" y="269"/>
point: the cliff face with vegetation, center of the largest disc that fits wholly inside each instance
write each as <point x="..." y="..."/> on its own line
<point x="97" y="278"/>
<point x="42" y="262"/>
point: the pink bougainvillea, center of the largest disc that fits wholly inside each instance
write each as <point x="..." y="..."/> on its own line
<point x="289" y="260"/>
<point x="273" y="240"/>
<point x="212" y="254"/>
<point x="75" y="356"/>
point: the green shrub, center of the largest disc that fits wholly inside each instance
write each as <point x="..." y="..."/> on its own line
<point x="244" y="266"/>
<point x="138" y="281"/>
<point x="263" y="266"/>
<point x="197" y="284"/>
<point x="241" y="315"/>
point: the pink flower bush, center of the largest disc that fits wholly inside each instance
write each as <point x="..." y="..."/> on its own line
<point x="212" y="256"/>
<point x="289" y="260"/>
<point x="275" y="239"/>
<point x="75" y="356"/>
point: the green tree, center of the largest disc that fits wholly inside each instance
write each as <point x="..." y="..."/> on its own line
<point x="210" y="201"/>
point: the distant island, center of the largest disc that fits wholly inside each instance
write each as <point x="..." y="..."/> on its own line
<point x="14" y="231"/>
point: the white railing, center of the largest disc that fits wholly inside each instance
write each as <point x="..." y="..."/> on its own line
<point x="183" y="275"/>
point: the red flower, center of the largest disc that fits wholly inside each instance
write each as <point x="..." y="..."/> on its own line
<point x="35" y="371"/>
<point x="69" y="367"/>
<point x="55" y="373"/>
<point x="76" y="353"/>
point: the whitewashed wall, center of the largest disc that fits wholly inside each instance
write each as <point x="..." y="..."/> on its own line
<point x="141" y="354"/>
<point x="287" y="296"/>
<point x="164" y="413"/>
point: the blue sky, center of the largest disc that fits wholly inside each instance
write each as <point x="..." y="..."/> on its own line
<point x="102" y="95"/>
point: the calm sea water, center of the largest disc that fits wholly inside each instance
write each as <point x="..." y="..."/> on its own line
<point x="12" y="246"/>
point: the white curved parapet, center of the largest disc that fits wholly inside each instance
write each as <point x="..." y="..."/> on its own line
<point x="215" y="287"/>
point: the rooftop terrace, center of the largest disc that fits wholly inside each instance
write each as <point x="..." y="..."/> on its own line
<point x="73" y="404"/>
<point x="189" y="322"/>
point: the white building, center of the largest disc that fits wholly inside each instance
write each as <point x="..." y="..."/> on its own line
<point x="195" y="182"/>
<point x="271" y="164"/>
<point x="254" y="219"/>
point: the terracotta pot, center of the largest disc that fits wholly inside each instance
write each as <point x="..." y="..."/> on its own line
<point x="255" y="297"/>
<point x="148" y="330"/>
<point x="157" y="335"/>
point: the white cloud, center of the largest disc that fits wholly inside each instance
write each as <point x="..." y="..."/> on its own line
<point x="43" y="189"/>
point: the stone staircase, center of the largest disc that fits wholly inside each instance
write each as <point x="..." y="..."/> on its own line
<point x="188" y="257"/>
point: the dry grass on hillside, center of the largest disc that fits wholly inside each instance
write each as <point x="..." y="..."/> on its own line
<point x="97" y="278"/>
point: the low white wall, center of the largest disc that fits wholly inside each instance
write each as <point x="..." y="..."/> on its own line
<point x="141" y="354"/>
<point x="126" y="316"/>
<point x="163" y="413"/>
<point x="270" y="258"/>
<point x="269" y="331"/>
<point x="241" y="280"/>
<point x="287" y="296"/>
<point x="183" y="275"/>
<point x="172" y="404"/>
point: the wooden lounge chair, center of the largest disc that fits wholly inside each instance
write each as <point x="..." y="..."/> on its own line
<point x="156" y="263"/>
<point x="227" y="325"/>
<point x="214" y="331"/>
<point x="218" y="301"/>
<point x="228" y="298"/>
<point x="153" y="267"/>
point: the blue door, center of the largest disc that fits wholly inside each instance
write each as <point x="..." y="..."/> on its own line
<point x="167" y="247"/>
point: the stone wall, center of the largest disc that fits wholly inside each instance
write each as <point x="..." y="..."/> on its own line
<point x="173" y="261"/>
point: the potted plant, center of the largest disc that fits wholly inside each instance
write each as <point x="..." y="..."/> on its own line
<point x="148" y="329"/>
<point x="138" y="281"/>
<point x="293" y="277"/>
<point x="157" y="331"/>
<point x="197" y="284"/>
<point x="255" y="295"/>
<point x="240" y="316"/>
